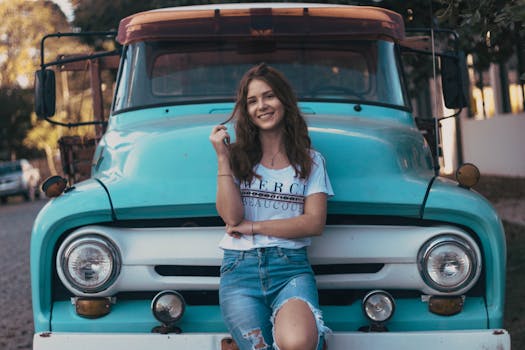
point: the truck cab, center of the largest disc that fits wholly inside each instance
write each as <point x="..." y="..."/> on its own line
<point x="129" y="258"/>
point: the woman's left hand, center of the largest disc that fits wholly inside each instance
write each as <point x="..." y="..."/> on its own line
<point x="245" y="227"/>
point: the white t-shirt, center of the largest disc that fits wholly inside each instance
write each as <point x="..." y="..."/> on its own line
<point x="278" y="194"/>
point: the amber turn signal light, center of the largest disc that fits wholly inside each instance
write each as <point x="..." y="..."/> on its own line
<point x="445" y="306"/>
<point x="54" y="186"/>
<point x="92" y="307"/>
<point x="468" y="175"/>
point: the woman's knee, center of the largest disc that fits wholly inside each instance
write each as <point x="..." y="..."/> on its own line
<point x="295" y="326"/>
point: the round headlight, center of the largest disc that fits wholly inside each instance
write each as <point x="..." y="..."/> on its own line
<point x="378" y="306"/>
<point x="90" y="263"/>
<point x="449" y="263"/>
<point x="168" y="307"/>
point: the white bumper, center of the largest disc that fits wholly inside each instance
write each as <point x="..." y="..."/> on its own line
<point x="465" y="340"/>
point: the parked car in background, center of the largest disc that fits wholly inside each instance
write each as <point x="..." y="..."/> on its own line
<point x="19" y="178"/>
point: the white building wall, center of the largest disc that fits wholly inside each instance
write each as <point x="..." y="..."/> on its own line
<point x="496" y="145"/>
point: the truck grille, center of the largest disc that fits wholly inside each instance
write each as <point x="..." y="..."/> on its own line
<point x="344" y="258"/>
<point x="213" y="271"/>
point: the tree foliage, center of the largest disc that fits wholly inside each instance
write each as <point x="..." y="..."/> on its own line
<point x="14" y="121"/>
<point x="21" y="29"/>
<point x="23" y="25"/>
<point x="490" y="29"/>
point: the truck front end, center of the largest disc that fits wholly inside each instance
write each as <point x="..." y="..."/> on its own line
<point x="129" y="259"/>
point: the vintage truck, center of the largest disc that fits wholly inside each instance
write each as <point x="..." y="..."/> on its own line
<point x="129" y="258"/>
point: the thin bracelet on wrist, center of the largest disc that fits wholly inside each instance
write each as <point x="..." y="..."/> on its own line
<point x="231" y="175"/>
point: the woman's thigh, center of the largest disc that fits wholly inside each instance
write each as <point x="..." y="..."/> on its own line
<point x="243" y="306"/>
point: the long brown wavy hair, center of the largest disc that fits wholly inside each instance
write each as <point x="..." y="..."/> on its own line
<point x="246" y="152"/>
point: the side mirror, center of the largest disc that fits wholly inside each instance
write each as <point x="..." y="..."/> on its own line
<point x="45" y="93"/>
<point x="454" y="80"/>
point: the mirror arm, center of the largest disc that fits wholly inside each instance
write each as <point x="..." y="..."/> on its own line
<point x="69" y="34"/>
<point x="72" y="125"/>
<point x="82" y="58"/>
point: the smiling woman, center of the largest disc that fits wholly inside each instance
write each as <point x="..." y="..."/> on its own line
<point x="271" y="154"/>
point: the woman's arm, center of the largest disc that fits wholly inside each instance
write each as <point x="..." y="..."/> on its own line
<point x="228" y="197"/>
<point x="310" y="223"/>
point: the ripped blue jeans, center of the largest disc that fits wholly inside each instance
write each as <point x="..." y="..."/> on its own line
<point x="255" y="284"/>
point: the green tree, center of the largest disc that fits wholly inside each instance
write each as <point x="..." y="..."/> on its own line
<point x="24" y="23"/>
<point x="489" y="28"/>
<point x="14" y="121"/>
<point x="40" y="137"/>
<point x="22" y="27"/>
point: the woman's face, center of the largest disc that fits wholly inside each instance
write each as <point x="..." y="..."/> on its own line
<point x="264" y="108"/>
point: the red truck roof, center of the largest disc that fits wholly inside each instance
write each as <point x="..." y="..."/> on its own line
<point x="261" y="20"/>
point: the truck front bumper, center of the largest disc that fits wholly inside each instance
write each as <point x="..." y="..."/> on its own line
<point x="436" y="340"/>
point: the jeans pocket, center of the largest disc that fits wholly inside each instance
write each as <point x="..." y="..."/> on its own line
<point x="230" y="261"/>
<point x="296" y="257"/>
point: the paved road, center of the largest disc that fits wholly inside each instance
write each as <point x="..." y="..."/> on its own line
<point x="16" y="319"/>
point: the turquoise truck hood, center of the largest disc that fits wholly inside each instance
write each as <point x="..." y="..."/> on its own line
<point x="167" y="168"/>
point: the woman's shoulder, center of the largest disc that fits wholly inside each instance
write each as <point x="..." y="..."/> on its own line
<point x="316" y="155"/>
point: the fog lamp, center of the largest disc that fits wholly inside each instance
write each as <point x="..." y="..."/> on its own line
<point x="445" y="306"/>
<point x="92" y="307"/>
<point x="378" y="307"/>
<point x="168" y="307"/>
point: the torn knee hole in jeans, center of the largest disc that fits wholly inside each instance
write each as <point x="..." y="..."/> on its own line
<point x="256" y="338"/>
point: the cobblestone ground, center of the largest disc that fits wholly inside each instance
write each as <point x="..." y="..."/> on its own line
<point x="16" y="318"/>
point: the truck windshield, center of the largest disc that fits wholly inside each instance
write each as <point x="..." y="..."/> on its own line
<point x="167" y="73"/>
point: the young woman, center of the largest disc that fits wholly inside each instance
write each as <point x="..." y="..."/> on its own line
<point x="272" y="190"/>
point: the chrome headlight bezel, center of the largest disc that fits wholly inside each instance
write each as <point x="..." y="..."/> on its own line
<point x="378" y="306"/>
<point x="165" y="303"/>
<point x="95" y="241"/>
<point x="458" y="245"/>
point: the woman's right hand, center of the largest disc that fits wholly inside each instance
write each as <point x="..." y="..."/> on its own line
<point x="220" y="139"/>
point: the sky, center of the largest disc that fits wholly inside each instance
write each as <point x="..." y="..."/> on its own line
<point x="66" y="7"/>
